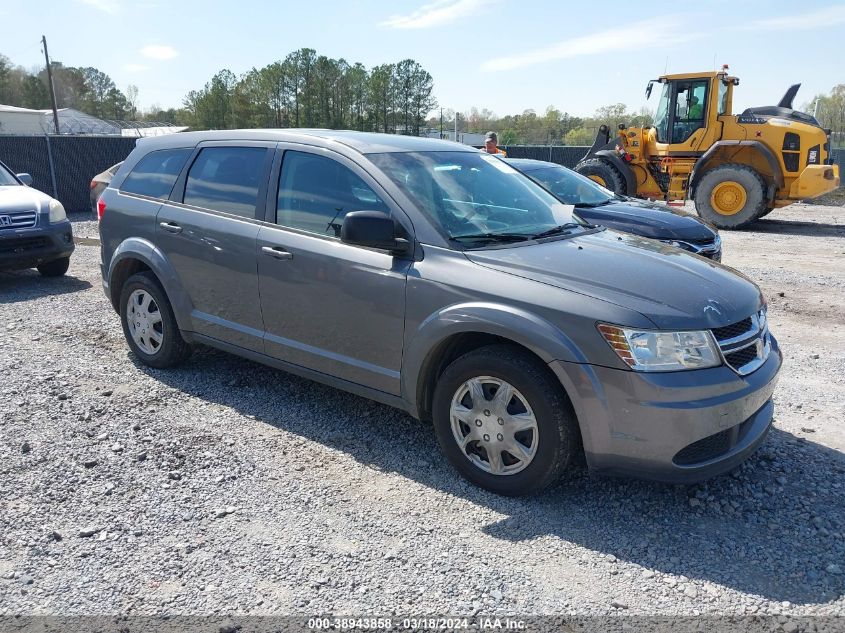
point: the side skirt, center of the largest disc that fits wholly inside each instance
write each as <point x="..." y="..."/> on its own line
<point x="338" y="383"/>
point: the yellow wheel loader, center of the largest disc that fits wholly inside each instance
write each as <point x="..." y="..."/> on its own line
<point x="736" y="168"/>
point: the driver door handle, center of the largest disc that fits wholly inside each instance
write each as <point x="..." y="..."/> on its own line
<point x="170" y="227"/>
<point x="276" y="252"/>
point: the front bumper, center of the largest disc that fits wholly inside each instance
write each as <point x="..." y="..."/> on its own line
<point x="30" y="247"/>
<point x="678" y="427"/>
<point x="814" y="181"/>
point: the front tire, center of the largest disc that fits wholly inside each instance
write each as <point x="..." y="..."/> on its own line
<point x="603" y="173"/>
<point x="55" y="268"/>
<point x="730" y="196"/>
<point x="504" y="422"/>
<point x="148" y="323"/>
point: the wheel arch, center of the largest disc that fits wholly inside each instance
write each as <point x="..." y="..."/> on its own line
<point x="457" y="330"/>
<point x="611" y="157"/>
<point x="630" y="180"/>
<point x="136" y="255"/>
<point x="753" y="154"/>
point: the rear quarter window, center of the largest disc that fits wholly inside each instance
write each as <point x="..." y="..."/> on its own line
<point x="156" y="173"/>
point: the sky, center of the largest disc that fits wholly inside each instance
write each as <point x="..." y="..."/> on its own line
<point x="503" y="55"/>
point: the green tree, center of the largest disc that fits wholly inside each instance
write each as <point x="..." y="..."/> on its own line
<point x="98" y="89"/>
<point x="6" y="92"/>
<point x="34" y="93"/>
<point x="380" y="92"/>
<point x="829" y="109"/>
<point x="357" y="79"/>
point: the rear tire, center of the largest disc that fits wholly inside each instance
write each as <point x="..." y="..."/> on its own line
<point x="154" y="337"/>
<point x="604" y="173"/>
<point x="545" y="450"/>
<point x="55" y="268"/>
<point x="731" y="196"/>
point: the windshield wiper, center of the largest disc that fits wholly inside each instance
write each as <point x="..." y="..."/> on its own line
<point x="492" y="237"/>
<point x="557" y="230"/>
<point x="593" y="205"/>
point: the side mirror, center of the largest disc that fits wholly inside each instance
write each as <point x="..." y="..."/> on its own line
<point x="372" y="229"/>
<point x="25" y="179"/>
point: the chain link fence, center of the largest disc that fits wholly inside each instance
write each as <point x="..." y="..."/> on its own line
<point x="63" y="166"/>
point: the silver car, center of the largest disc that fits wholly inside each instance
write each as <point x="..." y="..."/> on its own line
<point x="438" y="279"/>
<point x="34" y="229"/>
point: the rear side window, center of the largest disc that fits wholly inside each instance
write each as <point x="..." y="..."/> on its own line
<point x="226" y="179"/>
<point x="156" y="173"/>
<point x="316" y="193"/>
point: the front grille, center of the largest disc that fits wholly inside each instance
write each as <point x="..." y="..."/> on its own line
<point x="733" y="330"/>
<point x="742" y="357"/>
<point x="18" y="219"/>
<point x="22" y="245"/>
<point x="745" y="344"/>
<point x="712" y="446"/>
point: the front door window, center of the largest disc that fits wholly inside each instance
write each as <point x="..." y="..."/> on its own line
<point x="690" y="108"/>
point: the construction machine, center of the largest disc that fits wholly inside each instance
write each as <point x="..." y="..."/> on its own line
<point x="736" y="168"/>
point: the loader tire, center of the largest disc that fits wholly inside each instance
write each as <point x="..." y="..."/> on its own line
<point x="604" y="174"/>
<point x="730" y="196"/>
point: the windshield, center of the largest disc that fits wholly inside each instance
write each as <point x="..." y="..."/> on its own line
<point x="570" y="187"/>
<point x="6" y="177"/>
<point x="470" y="194"/>
<point x="661" y="117"/>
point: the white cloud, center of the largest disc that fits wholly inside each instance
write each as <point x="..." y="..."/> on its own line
<point x="158" y="52"/>
<point x="435" y="14"/>
<point x="661" y="33"/>
<point x="828" y="16"/>
<point x="106" y="6"/>
<point x="135" y="68"/>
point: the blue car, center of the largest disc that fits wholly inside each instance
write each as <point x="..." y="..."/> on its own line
<point x="596" y="205"/>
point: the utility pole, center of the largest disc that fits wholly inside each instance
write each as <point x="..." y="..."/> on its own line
<point x="441" y="123"/>
<point x="456" y="126"/>
<point x="50" y="81"/>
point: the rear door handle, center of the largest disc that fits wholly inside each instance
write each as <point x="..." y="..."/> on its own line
<point x="277" y="252"/>
<point x="170" y="227"/>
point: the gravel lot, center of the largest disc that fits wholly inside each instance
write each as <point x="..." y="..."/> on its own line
<point x="227" y="487"/>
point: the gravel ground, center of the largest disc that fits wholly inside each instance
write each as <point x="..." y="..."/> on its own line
<point x="227" y="487"/>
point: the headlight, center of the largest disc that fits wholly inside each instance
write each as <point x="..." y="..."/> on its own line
<point x="57" y="212"/>
<point x="653" y="350"/>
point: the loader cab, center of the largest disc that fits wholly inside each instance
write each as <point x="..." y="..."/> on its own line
<point x="687" y="113"/>
<point x="682" y="110"/>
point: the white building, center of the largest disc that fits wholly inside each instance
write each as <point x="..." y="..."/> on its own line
<point x="26" y="122"/>
<point x="467" y="138"/>
<point x="20" y="120"/>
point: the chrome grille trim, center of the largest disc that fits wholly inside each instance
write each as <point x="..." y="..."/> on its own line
<point x="18" y="219"/>
<point x="703" y="248"/>
<point x="757" y="335"/>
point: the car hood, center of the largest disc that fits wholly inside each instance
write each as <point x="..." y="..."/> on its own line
<point x="648" y="219"/>
<point x="670" y="287"/>
<point x="21" y="198"/>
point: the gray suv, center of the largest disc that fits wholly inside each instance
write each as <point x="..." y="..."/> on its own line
<point x="438" y="279"/>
